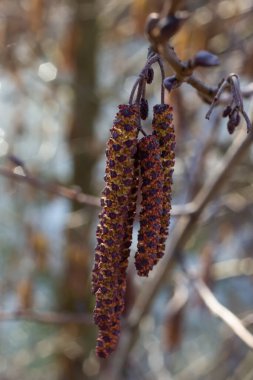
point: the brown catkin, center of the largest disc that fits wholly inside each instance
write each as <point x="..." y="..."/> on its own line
<point x="163" y="129"/>
<point x="127" y="241"/>
<point x="108" y="282"/>
<point x="151" y="204"/>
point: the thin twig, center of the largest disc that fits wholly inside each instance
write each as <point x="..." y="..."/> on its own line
<point x="46" y="317"/>
<point x="163" y="77"/>
<point x="62" y="191"/>
<point x="184" y="73"/>
<point x="73" y="194"/>
<point x="223" y="313"/>
<point x="152" y="58"/>
<point x="136" y="84"/>
<point x="202" y="367"/>
<point x="221" y="86"/>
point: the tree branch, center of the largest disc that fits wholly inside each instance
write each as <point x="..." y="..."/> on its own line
<point x="223" y="313"/>
<point x="46" y="317"/>
<point x="76" y="195"/>
<point x="184" y="73"/>
<point x="62" y="191"/>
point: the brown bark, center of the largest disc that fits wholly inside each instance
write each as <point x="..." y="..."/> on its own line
<point x="76" y="295"/>
<point x="85" y="101"/>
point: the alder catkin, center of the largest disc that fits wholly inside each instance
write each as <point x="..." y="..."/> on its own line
<point x="163" y="129"/>
<point x="108" y="283"/>
<point x="151" y="204"/>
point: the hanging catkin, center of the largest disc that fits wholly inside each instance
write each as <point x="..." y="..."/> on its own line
<point x="107" y="281"/>
<point x="151" y="204"/>
<point x="129" y="162"/>
<point x="163" y="129"/>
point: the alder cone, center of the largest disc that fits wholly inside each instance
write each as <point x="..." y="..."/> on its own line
<point x="163" y="129"/>
<point x="113" y="238"/>
<point x="151" y="204"/>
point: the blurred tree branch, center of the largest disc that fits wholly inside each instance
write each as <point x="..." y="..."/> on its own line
<point x="223" y="313"/>
<point x="184" y="71"/>
<point x="72" y="194"/>
<point x="75" y="194"/>
<point x="46" y="317"/>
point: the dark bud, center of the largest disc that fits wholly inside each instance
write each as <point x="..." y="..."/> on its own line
<point x="230" y="127"/>
<point x="227" y="111"/>
<point x="144" y="108"/>
<point x="150" y="75"/>
<point x="233" y="122"/>
<point x="170" y="83"/>
<point x="235" y="117"/>
<point x="205" y="59"/>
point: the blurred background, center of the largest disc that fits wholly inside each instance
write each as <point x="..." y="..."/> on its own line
<point x="65" y="65"/>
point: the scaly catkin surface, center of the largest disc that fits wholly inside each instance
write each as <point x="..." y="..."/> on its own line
<point x="151" y="204"/>
<point x="108" y="283"/>
<point x="163" y="129"/>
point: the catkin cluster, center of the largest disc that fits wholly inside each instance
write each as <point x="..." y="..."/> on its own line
<point x="132" y="166"/>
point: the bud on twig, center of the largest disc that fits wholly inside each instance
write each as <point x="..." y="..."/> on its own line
<point x="150" y="75"/>
<point x="205" y="59"/>
<point x="236" y="104"/>
<point x="170" y="83"/>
